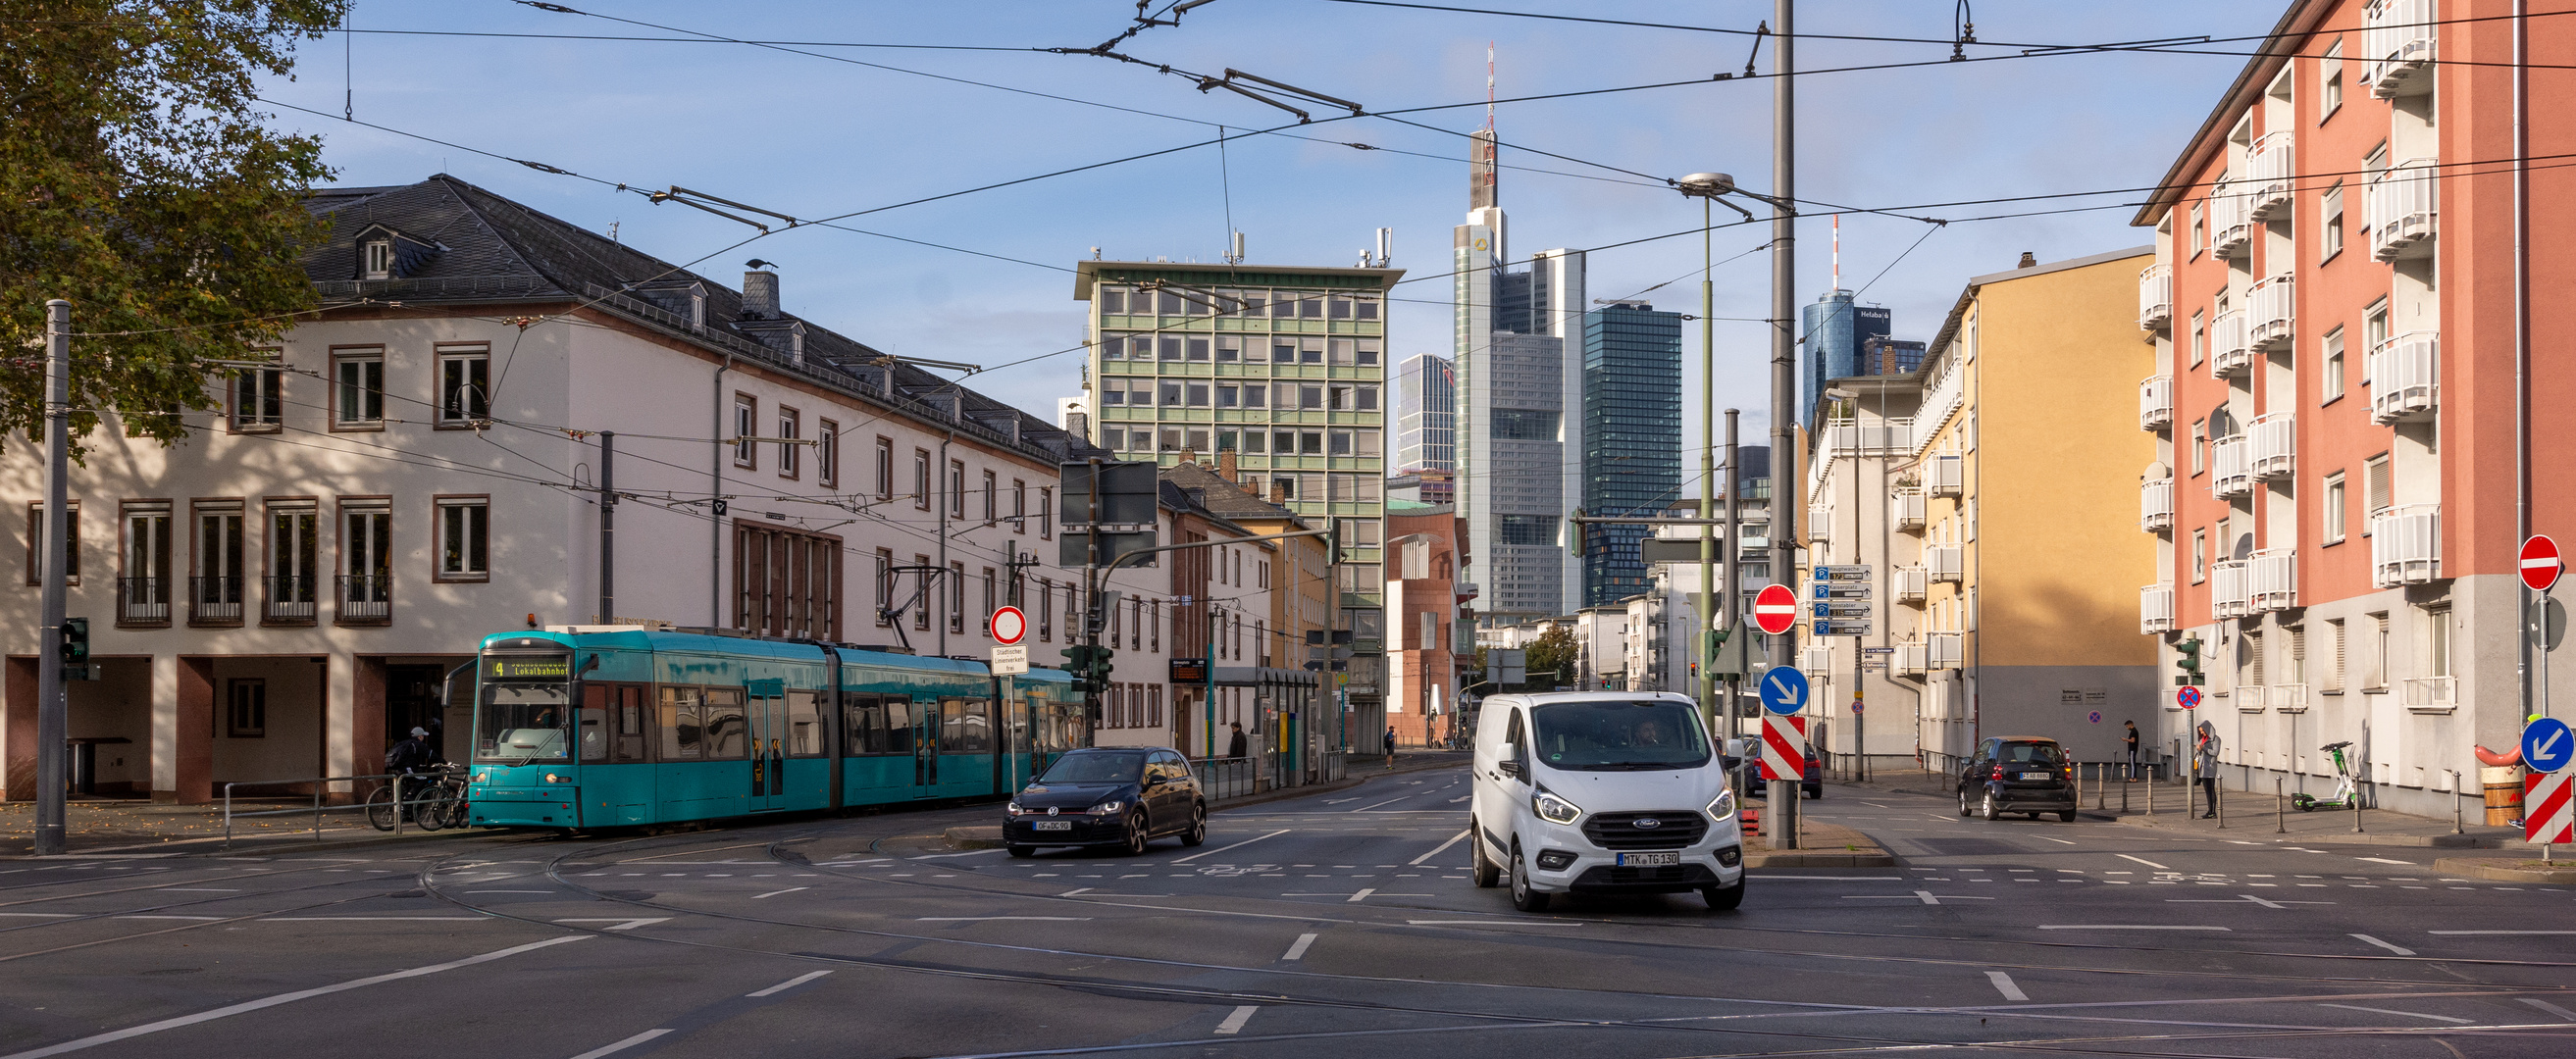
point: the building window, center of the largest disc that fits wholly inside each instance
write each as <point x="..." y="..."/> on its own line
<point x="2330" y="384"/>
<point x="464" y="386"/>
<point x="2374" y="332"/>
<point x="2199" y="228"/>
<point x="1019" y="506"/>
<point x="925" y="600"/>
<point x="36" y="543"/>
<point x="2376" y="677"/>
<point x="2333" y="514"/>
<point x="2199" y="556"/>
<point x="464" y="538"/>
<point x="2199" y="339"/>
<point x="358" y="390"/>
<point x="992" y="499"/>
<point x="2334" y="655"/>
<point x="2437" y="642"/>
<point x="294" y="557"/>
<point x="885" y="468"/>
<point x="791" y="427"/>
<point x="2199" y="446"/>
<point x="921" y="479"/>
<point x="746" y="430"/>
<point x="1046" y="610"/>
<point x="990" y="584"/>
<point x="827" y="454"/>
<point x="366" y="561"/>
<point x="2378" y="488"/>
<point x="2330" y="82"/>
<point x="245" y="708"/>
<point x="378" y="260"/>
<point x="215" y="585"/>
<point x="957" y="597"/>
<point x="143" y="587"/>
<point x="787" y="583"/>
<point x="2330" y="234"/>
<point x="1046" y="512"/>
<point x="259" y="399"/>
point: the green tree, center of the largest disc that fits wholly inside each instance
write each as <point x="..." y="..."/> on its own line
<point x="137" y="182"/>
<point x="1553" y="658"/>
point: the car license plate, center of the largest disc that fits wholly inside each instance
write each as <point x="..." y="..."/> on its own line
<point x="1649" y="860"/>
<point x="2037" y="775"/>
<point x="1055" y="825"/>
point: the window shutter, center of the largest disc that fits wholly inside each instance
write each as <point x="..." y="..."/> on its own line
<point x="2379" y="485"/>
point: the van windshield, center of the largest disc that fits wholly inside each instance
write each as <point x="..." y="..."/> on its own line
<point x="1611" y="735"/>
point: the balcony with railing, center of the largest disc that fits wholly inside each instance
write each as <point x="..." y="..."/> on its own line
<point x="143" y="601"/>
<point x="2397" y="46"/>
<point x="1944" y="650"/>
<point x="2273" y="580"/>
<point x="2272" y="441"/>
<point x="2229" y="589"/>
<point x="2431" y="694"/>
<point x="214" y="601"/>
<point x="1912" y="584"/>
<point x="2271" y="174"/>
<point x="2274" y="319"/>
<point x="2229" y="352"/>
<point x="2249" y="698"/>
<point x="1943" y="561"/>
<point x="2406" y="545"/>
<point x="366" y="599"/>
<point x="2155" y="609"/>
<point x="1907" y="660"/>
<point x="2156" y="505"/>
<point x="287" y="600"/>
<point x="2402" y="209"/>
<point x="2229" y="474"/>
<point x="1905" y="505"/>
<point x="2405" y="378"/>
<point x="1946" y="474"/>
<point x="2287" y="698"/>
<point x="2231" y="220"/>
<point x="2155" y="402"/>
<point x="2155" y="296"/>
<point x="1885" y="437"/>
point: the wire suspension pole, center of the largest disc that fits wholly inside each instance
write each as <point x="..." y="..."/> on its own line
<point x="1783" y="816"/>
<point x="51" y="719"/>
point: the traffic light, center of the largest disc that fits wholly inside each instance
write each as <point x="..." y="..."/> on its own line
<point x="75" y="641"/>
<point x="1090" y="668"/>
<point x="2187" y="659"/>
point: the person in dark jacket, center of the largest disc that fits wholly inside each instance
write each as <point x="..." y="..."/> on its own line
<point x="2132" y="740"/>
<point x="2204" y="762"/>
<point x="410" y="755"/>
<point x="1237" y="746"/>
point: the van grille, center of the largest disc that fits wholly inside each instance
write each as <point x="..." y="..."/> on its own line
<point x="1674" y="829"/>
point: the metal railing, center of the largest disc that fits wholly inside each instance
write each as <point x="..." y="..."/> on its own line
<point x="287" y="597"/>
<point x="2270" y="174"/>
<point x="2155" y="296"/>
<point x="2397" y="44"/>
<point x="2405" y="377"/>
<point x="2401" y="210"/>
<point x="2231" y="219"/>
<point x="143" y="600"/>
<point x="2155" y="609"/>
<point x="2275" y="311"/>
<point x="2230" y="590"/>
<point x="358" y="803"/>
<point x="366" y="599"/>
<point x="2229" y="350"/>
<point x="1221" y="778"/>
<point x="2406" y="545"/>
<point x="215" y="599"/>
<point x="2156" y="505"/>
<point x="2230" y="473"/>
<point x="2155" y="402"/>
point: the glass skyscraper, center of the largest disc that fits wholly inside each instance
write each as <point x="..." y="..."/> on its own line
<point x="1632" y="435"/>
<point x="1835" y="327"/>
<point x="1426" y="415"/>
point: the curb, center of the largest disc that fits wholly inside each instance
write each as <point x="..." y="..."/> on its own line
<point x="2339" y="838"/>
<point x="2504" y="869"/>
<point x="1802" y="858"/>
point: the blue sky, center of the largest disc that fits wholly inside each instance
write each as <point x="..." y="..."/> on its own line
<point x="814" y="136"/>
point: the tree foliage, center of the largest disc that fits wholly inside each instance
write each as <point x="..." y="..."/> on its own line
<point x="138" y="183"/>
<point x="1554" y="658"/>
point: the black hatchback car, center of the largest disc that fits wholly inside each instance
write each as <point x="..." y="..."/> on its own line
<point x="1107" y="796"/>
<point x="2018" y="774"/>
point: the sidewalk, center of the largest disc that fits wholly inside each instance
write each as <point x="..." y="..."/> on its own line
<point x="2252" y="816"/>
<point x="132" y="827"/>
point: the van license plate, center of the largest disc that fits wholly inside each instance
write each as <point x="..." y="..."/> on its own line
<point x="1054" y="825"/>
<point x="2035" y="775"/>
<point x="1649" y="860"/>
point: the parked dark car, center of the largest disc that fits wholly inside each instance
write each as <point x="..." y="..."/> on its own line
<point x="2018" y="774"/>
<point x="1752" y="783"/>
<point x="1107" y="796"/>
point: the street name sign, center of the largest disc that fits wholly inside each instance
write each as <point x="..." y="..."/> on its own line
<point x="1775" y="609"/>
<point x="1010" y="659"/>
<point x="1854" y="627"/>
<point x="1842" y="590"/>
<point x="1842" y="573"/>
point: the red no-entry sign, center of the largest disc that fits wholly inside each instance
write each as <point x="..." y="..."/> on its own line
<point x="1775" y="609"/>
<point x="2540" y="563"/>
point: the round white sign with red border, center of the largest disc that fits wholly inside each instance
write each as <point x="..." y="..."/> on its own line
<point x="2539" y="562"/>
<point x="1775" y="609"/>
<point x="1009" y="625"/>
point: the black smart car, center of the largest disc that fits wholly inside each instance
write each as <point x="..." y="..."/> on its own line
<point x="1107" y="796"/>
<point x="2018" y="774"/>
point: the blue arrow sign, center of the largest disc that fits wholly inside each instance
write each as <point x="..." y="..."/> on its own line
<point x="1784" y="690"/>
<point x="2547" y="746"/>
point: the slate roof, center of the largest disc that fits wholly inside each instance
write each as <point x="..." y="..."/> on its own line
<point x="1220" y="497"/>
<point x="490" y="249"/>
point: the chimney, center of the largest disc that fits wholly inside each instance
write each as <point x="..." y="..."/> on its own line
<point x="760" y="295"/>
<point x="1279" y="491"/>
<point x="1226" y="468"/>
<point x="2028" y="260"/>
<point x="1189" y="457"/>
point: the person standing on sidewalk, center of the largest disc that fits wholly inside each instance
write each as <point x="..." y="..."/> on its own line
<point x="2132" y="740"/>
<point x="2204" y="766"/>
<point x="1390" y="746"/>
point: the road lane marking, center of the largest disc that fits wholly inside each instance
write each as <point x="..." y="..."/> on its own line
<point x="945" y="856"/>
<point x="1362" y="895"/>
<point x="1233" y="1023"/>
<point x="2392" y="948"/>
<point x="774" y="893"/>
<point x="1390" y="801"/>
<point x="1453" y="840"/>
<point x="2550" y="1008"/>
<point x="509" y="891"/>
<point x="370" y="919"/>
<point x="1924" y="896"/>
<point x="621" y="924"/>
<point x="790" y="983"/>
<point x="1297" y="951"/>
<point x="1238" y="845"/>
<point x="2106" y="926"/>
<point x="247" y="1006"/>
<point x="988" y="919"/>
<point x="2391" y="1011"/>
<point x="2004" y="984"/>
<point x="2142" y="860"/>
<point x="2384" y="860"/>
<point x="1442" y="923"/>
<point x="2466" y="933"/>
<point x="2059" y="841"/>
<point x="623" y="1045"/>
<point x="1838" y="878"/>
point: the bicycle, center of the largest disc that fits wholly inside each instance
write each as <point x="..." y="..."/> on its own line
<point x="444" y="803"/>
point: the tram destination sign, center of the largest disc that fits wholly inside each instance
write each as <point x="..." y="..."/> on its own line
<point x="536" y="667"/>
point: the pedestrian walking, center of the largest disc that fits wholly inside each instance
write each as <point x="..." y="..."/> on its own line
<point x="2204" y="766"/>
<point x="1390" y="746"/>
<point x="1237" y="746"/>
<point x="2132" y="739"/>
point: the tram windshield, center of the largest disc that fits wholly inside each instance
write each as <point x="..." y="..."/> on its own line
<point x="525" y="711"/>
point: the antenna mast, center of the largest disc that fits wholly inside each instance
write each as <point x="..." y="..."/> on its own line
<point x="1489" y="84"/>
<point x="1838" y="251"/>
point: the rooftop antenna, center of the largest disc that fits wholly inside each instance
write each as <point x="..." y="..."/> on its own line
<point x="1838" y="251"/>
<point x="1489" y="84"/>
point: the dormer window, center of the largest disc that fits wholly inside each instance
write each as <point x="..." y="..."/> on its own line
<point x="378" y="259"/>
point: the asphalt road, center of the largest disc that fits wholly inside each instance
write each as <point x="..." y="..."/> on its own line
<point x="1339" y="924"/>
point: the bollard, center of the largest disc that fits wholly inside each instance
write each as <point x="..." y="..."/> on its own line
<point x="2124" y="797"/>
<point x="2218" y="805"/>
<point x="2356" y="812"/>
<point x="2455" y="802"/>
<point x="2151" y="794"/>
<point x="2102" y="776"/>
<point x="2280" y="809"/>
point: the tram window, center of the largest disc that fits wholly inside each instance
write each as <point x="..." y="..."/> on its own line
<point x="727" y="731"/>
<point x="594" y="722"/>
<point x="629" y="739"/>
<point x="865" y="721"/>
<point x="683" y="734"/>
<point x="898" y="726"/>
<point x="804" y="725"/>
<point x="966" y="726"/>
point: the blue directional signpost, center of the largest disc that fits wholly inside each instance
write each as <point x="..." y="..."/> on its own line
<point x="2547" y="745"/>
<point x="1784" y="690"/>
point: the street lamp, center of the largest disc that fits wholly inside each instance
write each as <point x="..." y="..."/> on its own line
<point x="1708" y="188"/>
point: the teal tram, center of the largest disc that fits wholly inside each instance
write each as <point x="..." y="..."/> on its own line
<point x="630" y="726"/>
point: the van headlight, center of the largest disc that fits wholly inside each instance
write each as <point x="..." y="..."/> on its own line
<point x="1553" y="809"/>
<point x="1723" y="807"/>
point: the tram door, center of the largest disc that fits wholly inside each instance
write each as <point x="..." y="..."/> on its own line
<point x="767" y="717"/>
<point x="925" y="748"/>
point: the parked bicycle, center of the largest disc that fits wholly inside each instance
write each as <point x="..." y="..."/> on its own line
<point x="432" y="798"/>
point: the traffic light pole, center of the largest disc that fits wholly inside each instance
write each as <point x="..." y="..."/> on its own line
<point x="51" y="722"/>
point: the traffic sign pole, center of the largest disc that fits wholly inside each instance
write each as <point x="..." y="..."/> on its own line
<point x="2539" y="563"/>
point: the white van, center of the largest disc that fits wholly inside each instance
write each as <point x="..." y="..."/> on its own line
<point x="1603" y="792"/>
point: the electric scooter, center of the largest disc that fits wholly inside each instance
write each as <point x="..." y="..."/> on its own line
<point x="2345" y="795"/>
